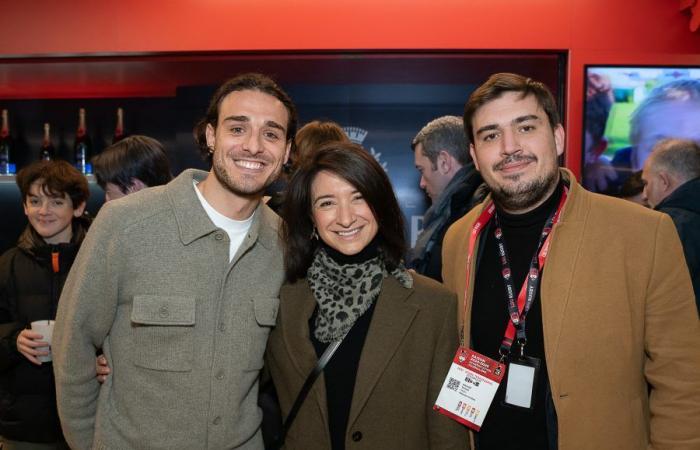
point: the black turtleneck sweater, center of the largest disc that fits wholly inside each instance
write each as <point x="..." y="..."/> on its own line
<point x="341" y="371"/>
<point x="508" y="428"/>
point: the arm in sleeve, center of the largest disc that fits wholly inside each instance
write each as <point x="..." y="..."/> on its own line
<point x="85" y="315"/>
<point x="9" y="327"/>
<point x="672" y="333"/>
<point x="443" y="432"/>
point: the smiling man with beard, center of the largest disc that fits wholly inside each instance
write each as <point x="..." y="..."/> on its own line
<point x="179" y="285"/>
<point x="602" y="352"/>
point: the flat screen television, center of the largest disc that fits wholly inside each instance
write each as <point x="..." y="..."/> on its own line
<point x="627" y="110"/>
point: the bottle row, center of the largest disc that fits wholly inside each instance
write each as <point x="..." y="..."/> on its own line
<point x="82" y="146"/>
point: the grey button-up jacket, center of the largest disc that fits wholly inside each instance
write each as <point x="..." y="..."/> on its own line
<point x="183" y="330"/>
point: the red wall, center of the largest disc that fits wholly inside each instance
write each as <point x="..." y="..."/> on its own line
<point x="593" y="31"/>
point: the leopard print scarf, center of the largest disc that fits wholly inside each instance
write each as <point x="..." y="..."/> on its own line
<point x="345" y="291"/>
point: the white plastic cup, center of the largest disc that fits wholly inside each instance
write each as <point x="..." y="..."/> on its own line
<point x="44" y="328"/>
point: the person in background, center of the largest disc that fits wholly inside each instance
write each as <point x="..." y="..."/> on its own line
<point x="633" y="190"/>
<point x="32" y="275"/>
<point x="313" y="135"/>
<point x="344" y="239"/>
<point x="179" y="285"/>
<point x="448" y="176"/>
<point x="133" y="163"/>
<point x="309" y="137"/>
<point x="598" y="171"/>
<point x="672" y="185"/>
<point x="671" y="110"/>
<point x="599" y="290"/>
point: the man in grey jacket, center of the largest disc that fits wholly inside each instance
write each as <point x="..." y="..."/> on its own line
<point x="179" y="285"/>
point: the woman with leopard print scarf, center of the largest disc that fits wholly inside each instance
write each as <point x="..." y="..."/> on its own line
<point x="344" y="239"/>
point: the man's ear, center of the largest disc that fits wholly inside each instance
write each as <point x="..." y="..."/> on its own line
<point x="444" y="162"/>
<point x="211" y="137"/>
<point x="287" y="152"/>
<point x="559" y="139"/>
<point x="472" y="153"/>
<point x="666" y="180"/>
<point x="136" y="185"/>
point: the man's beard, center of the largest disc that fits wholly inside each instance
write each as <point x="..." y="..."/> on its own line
<point x="243" y="186"/>
<point x="523" y="196"/>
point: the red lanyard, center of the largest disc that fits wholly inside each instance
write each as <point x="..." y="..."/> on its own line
<point x="527" y="291"/>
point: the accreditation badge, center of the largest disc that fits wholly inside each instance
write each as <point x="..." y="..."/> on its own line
<point x="469" y="388"/>
<point x="521" y="382"/>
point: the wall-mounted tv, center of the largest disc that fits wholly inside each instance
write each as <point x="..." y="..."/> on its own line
<point x="629" y="109"/>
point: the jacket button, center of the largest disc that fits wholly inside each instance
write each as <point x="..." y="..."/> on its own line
<point x="220" y="375"/>
<point x="218" y="236"/>
<point x="357" y="436"/>
<point x="163" y="311"/>
<point x="217" y="420"/>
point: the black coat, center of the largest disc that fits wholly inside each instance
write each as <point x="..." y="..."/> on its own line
<point x="683" y="205"/>
<point x="29" y="291"/>
<point x="462" y="201"/>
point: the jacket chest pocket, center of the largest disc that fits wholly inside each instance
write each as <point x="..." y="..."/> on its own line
<point x="264" y="317"/>
<point x="163" y="328"/>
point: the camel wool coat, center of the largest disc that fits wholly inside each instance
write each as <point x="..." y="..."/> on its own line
<point x="409" y="347"/>
<point x="618" y="312"/>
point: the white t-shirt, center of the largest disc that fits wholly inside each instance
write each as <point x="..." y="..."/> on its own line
<point x="236" y="229"/>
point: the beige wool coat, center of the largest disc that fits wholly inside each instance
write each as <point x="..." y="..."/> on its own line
<point x="618" y="312"/>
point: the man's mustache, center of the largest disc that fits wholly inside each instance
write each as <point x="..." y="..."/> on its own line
<point x="510" y="159"/>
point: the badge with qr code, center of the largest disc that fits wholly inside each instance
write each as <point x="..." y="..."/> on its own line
<point x="469" y="388"/>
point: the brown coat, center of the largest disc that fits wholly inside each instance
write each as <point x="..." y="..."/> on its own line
<point x="409" y="347"/>
<point x="617" y="313"/>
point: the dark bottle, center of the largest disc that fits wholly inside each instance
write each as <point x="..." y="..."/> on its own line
<point x="81" y="148"/>
<point x="47" y="152"/>
<point x="119" y="127"/>
<point x="5" y="145"/>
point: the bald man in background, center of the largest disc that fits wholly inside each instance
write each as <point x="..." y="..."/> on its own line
<point x="671" y="179"/>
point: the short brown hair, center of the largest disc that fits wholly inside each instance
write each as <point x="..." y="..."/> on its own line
<point x="243" y="82"/>
<point x="500" y="83"/>
<point x="57" y="178"/>
<point x="314" y="134"/>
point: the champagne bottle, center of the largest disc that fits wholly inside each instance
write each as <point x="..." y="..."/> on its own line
<point x="81" y="148"/>
<point x="47" y="152"/>
<point x="119" y="127"/>
<point x="5" y="145"/>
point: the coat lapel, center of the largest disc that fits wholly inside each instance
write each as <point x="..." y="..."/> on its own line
<point x="390" y="323"/>
<point x="297" y="340"/>
<point x="559" y="269"/>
